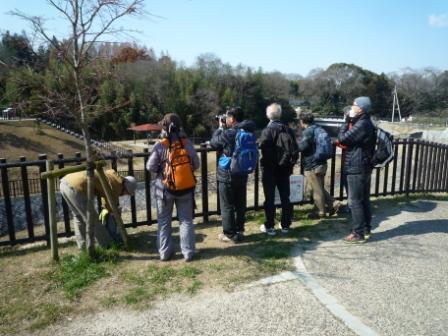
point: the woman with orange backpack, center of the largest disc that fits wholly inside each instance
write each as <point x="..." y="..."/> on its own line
<point x="174" y="159"/>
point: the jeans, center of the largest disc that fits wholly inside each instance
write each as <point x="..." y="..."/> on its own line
<point x="232" y="198"/>
<point x="270" y="182"/>
<point x="316" y="182"/>
<point x="359" y="199"/>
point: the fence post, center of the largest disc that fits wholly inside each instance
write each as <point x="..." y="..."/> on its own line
<point x="8" y="205"/>
<point x="44" y="191"/>
<point x="409" y="166"/>
<point x="26" y="199"/>
<point x="131" y="172"/>
<point x="52" y="212"/>
<point x="204" y="182"/>
<point x="65" y="209"/>
<point x="256" y="188"/>
<point x="147" y="186"/>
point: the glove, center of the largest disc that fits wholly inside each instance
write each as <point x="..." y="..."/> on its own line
<point x="103" y="216"/>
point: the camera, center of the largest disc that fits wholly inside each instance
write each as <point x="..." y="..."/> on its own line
<point x="221" y="117"/>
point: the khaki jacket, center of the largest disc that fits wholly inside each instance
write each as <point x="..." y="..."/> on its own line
<point x="78" y="181"/>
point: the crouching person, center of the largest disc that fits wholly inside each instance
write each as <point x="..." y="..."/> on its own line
<point x="73" y="188"/>
<point x="174" y="159"/>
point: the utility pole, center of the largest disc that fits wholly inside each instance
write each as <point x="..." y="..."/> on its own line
<point x="395" y="104"/>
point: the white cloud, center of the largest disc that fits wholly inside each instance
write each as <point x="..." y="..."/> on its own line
<point x="438" y="21"/>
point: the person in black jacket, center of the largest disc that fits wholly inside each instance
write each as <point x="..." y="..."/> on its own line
<point x="232" y="188"/>
<point x="360" y="141"/>
<point x="275" y="173"/>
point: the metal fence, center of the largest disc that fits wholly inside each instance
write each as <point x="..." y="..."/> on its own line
<point x="418" y="167"/>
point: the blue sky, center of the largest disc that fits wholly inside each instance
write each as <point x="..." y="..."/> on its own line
<point x="285" y="35"/>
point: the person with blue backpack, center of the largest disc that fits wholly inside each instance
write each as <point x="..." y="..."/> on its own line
<point x="235" y="140"/>
<point x="316" y="147"/>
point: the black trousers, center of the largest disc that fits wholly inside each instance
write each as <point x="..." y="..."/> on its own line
<point x="270" y="182"/>
<point x="232" y="198"/>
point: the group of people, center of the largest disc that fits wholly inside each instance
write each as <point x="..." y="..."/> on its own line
<point x="174" y="159"/>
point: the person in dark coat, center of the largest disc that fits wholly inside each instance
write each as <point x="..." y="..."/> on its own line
<point x="275" y="175"/>
<point x="232" y="188"/>
<point x="360" y="141"/>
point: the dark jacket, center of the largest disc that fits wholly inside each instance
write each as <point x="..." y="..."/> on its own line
<point x="360" y="141"/>
<point x="267" y="143"/>
<point x="223" y="140"/>
<point x="307" y="146"/>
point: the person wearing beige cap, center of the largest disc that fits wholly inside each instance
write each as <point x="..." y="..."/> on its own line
<point x="73" y="189"/>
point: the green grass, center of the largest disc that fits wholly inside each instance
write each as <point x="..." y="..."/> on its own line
<point x="74" y="273"/>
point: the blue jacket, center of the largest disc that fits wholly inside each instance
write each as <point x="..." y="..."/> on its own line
<point x="223" y="140"/>
<point x="307" y="146"/>
<point x="360" y="141"/>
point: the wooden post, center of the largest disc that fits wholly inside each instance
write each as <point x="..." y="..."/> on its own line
<point x="108" y="192"/>
<point x="52" y="212"/>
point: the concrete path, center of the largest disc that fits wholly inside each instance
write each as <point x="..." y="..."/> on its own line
<point x="396" y="284"/>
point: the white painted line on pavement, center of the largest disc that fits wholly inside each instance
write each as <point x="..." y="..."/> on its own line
<point x="330" y="301"/>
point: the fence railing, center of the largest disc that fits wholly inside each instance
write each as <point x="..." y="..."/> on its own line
<point x="418" y="167"/>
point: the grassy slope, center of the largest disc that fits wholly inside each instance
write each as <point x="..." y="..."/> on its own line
<point x="20" y="138"/>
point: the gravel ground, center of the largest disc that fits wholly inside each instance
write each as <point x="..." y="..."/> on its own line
<point x="280" y="309"/>
<point x="397" y="282"/>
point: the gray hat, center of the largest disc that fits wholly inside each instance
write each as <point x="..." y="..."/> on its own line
<point x="130" y="183"/>
<point x="364" y="103"/>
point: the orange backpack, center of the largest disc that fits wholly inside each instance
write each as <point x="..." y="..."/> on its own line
<point x="178" y="174"/>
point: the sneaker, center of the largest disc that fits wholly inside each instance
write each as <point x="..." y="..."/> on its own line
<point x="270" y="232"/>
<point x="367" y="234"/>
<point x="240" y="235"/>
<point x="336" y="209"/>
<point x="188" y="259"/>
<point x="263" y="228"/>
<point x="224" y="238"/>
<point x="283" y="229"/>
<point x="354" y="238"/>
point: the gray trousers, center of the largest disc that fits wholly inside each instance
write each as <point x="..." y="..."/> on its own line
<point x="77" y="202"/>
<point x="184" y="207"/>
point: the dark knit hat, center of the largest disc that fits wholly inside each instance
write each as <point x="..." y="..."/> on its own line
<point x="364" y="103"/>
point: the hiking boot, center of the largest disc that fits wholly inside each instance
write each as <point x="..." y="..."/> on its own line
<point x="224" y="238"/>
<point x="336" y="209"/>
<point x="354" y="238"/>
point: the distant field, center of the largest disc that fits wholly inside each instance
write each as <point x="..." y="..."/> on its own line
<point x="21" y="138"/>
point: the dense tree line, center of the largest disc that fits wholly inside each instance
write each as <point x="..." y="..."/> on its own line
<point x="133" y="85"/>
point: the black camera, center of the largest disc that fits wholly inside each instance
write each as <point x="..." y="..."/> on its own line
<point x="221" y="117"/>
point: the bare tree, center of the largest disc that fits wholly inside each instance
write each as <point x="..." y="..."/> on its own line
<point x="88" y="20"/>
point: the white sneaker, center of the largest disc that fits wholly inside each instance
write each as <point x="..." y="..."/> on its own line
<point x="270" y="232"/>
<point x="284" y="230"/>
<point x="263" y="228"/>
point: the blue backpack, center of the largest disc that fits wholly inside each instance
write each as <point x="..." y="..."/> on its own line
<point x="244" y="157"/>
<point x="324" y="147"/>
